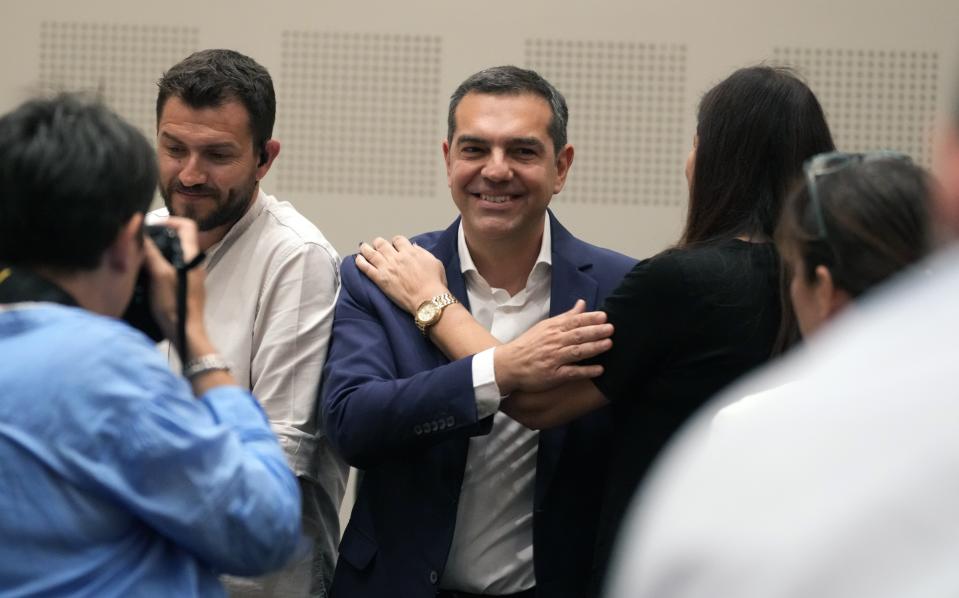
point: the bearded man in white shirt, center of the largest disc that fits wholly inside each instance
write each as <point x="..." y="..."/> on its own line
<point x="272" y="278"/>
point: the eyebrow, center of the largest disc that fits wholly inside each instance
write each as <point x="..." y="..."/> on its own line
<point x="528" y="141"/>
<point x="222" y="145"/>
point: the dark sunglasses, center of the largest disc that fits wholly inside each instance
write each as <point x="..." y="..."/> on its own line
<point x="828" y="163"/>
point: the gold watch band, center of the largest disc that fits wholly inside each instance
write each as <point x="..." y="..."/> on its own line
<point x="438" y="304"/>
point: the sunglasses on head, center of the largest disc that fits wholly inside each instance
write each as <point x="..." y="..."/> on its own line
<point x="828" y="163"/>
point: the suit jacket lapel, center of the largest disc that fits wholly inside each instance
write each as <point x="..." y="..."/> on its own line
<point x="570" y="281"/>
<point x="446" y="250"/>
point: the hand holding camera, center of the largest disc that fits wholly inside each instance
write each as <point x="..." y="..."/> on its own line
<point x="158" y="303"/>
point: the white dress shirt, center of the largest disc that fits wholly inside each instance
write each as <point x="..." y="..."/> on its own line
<point x="492" y="549"/>
<point x="840" y="481"/>
<point x="271" y="287"/>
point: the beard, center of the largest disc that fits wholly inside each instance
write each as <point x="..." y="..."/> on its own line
<point x="229" y="207"/>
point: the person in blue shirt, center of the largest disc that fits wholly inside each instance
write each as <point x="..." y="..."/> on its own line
<point x="117" y="477"/>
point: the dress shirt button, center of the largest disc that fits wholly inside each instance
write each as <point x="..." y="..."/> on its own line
<point x="434" y="577"/>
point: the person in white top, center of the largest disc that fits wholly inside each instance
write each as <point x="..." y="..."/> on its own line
<point x="272" y="279"/>
<point x="842" y="480"/>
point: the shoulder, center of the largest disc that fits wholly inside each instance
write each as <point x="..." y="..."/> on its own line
<point x="605" y="264"/>
<point x="605" y="258"/>
<point x="105" y="356"/>
<point x="285" y="227"/>
<point x="430" y="241"/>
<point x="727" y="258"/>
<point x="354" y="279"/>
<point x="726" y="264"/>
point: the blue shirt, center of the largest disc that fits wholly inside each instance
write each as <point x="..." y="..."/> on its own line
<point x="115" y="480"/>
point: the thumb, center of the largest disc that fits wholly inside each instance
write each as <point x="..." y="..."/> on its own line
<point x="578" y="308"/>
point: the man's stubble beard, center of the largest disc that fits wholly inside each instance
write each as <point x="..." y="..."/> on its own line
<point x="229" y="211"/>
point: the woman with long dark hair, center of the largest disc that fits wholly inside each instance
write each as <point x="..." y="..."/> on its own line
<point x="689" y="320"/>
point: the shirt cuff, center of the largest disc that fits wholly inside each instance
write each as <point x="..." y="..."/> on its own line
<point x="484" y="384"/>
<point x="235" y="407"/>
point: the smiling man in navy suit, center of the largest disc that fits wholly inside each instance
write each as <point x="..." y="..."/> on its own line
<point x="457" y="498"/>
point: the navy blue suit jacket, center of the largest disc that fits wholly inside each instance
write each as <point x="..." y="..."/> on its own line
<point x="396" y="408"/>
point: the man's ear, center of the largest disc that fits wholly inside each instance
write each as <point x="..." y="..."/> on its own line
<point x="446" y="158"/>
<point x="830" y="299"/>
<point x="271" y="149"/>
<point x="126" y="251"/>
<point x="563" y="162"/>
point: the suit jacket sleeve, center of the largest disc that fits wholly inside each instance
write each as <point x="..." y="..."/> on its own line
<point x="387" y="390"/>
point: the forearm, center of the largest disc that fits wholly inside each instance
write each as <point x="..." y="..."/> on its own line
<point x="459" y="335"/>
<point x="254" y="494"/>
<point x="370" y="418"/>
<point x="210" y="475"/>
<point x="199" y="344"/>
<point x="554" y="407"/>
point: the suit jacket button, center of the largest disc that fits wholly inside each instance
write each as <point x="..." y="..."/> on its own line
<point x="450" y="421"/>
<point x="417" y="429"/>
<point x="434" y="577"/>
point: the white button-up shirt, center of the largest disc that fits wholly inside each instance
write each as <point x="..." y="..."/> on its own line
<point x="271" y="287"/>
<point x="492" y="549"/>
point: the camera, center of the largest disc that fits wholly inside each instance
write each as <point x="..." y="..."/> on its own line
<point x="138" y="313"/>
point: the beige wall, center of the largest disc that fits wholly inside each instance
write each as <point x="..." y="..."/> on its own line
<point x="363" y="86"/>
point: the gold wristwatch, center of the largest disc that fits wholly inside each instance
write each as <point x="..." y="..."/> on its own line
<point x="430" y="311"/>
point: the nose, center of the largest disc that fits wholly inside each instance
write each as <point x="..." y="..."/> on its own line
<point x="192" y="172"/>
<point x="497" y="167"/>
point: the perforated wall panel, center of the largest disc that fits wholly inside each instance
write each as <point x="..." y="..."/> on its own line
<point x="120" y="62"/>
<point x="360" y="113"/>
<point x="874" y="99"/>
<point x="627" y="104"/>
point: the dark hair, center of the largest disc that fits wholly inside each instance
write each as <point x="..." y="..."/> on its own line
<point x="876" y="217"/>
<point x="72" y="173"/>
<point x="754" y="131"/>
<point x="210" y="78"/>
<point x="512" y="80"/>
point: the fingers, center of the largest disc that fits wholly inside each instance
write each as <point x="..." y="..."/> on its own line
<point x="580" y="372"/>
<point x="364" y="266"/>
<point x="401" y="243"/>
<point x="590" y="318"/>
<point x="585" y="334"/>
<point x="382" y="245"/>
<point x="578" y="308"/>
<point x="577" y="317"/>
<point x="380" y="248"/>
<point x="575" y="353"/>
<point x="371" y="256"/>
<point x="187" y="232"/>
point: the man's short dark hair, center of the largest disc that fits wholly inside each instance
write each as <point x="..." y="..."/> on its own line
<point x="210" y="78"/>
<point x="72" y="173"/>
<point x="512" y="80"/>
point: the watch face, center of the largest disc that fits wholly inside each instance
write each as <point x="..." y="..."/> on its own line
<point x="427" y="313"/>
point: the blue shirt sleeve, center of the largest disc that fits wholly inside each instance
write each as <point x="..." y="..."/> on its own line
<point x="208" y="474"/>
